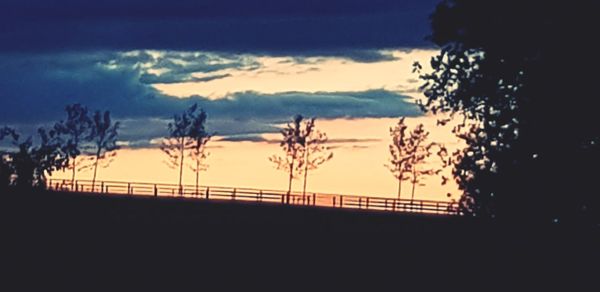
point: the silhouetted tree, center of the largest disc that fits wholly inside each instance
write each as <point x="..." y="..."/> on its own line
<point x="6" y="170"/>
<point x="506" y="68"/>
<point x="199" y="138"/>
<point x="418" y="151"/>
<point x="399" y="150"/>
<point x="103" y="138"/>
<point x="292" y="143"/>
<point x="179" y="140"/>
<point x="74" y="131"/>
<point x="32" y="163"/>
<point x="315" y="150"/>
<point x="410" y="152"/>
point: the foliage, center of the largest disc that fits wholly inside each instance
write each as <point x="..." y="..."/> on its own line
<point x="103" y="137"/>
<point x="186" y="132"/>
<point x="399" y="152"/>
<point x="199" y="138"/>
<point x="31" y="164"/>
<point x="6" y="167"/>
<point x="524" y="106"/>
<point x="74" y="131"/>
<point x="315" y="150"/>
<point x="292" y="143"/>
<point x="409" y="153"/>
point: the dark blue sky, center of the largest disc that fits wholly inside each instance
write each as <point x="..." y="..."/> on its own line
<point x="267" y="26"/>
<point x="59" y="52"/>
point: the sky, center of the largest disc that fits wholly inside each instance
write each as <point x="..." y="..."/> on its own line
<point x="250" y="64"/>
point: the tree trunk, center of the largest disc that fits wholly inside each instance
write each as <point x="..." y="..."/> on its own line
<point x="74" y="169"/>
<point x="290" y="182"/>
<point x="181" y="153"/>
<point x="95" y="171"/>
<point x="305" y="174"/>
<point x="399" y="185"/>
<point x="414" y="182"/>
<point x="197" y="173"/>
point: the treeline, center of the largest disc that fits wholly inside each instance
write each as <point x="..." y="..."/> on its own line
<point x="88" y="141"/>
<point x="28" y="161"/>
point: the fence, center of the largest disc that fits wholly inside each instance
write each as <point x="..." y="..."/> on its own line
<point x="256" y="195"/>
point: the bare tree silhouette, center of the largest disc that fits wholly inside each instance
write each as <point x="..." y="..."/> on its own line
<point x="199" y="138"/>
<point x="178" y="141"/>
<point x="399" y="150"/>
<point x="409" y="153"/>
<point x="418" y="152"/>
<point x="293" y="141"/>
<point x="75" y="131"/>
<point x="103" y="137"/>
<point x="315" y="150"/>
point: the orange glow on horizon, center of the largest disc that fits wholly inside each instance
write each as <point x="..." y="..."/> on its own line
<point x="357" y="168"/>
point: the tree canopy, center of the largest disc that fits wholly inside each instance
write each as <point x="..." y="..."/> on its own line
<point x="516" y="72"/>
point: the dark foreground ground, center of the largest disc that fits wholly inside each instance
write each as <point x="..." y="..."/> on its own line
<point x="108" y="243"/>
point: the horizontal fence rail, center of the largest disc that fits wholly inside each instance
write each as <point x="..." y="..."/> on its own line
<point x="256" y="195"/>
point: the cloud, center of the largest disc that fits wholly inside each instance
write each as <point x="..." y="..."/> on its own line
<point x="236" y="26"/>
<point x="359" y="56"/>
<point x="34" y="89"/>
<point x="281" y="106"/>
<point x="147" y="78"/>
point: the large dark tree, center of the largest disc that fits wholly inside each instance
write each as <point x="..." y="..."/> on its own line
<point x="517" y="72"/>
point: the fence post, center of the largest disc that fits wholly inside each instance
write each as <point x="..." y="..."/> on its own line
<point x="155" y="191"/>
<point x="359" y="202"/>
<point x="233" y="194"/>
<point x="394" y="205"/>
<point x="314" y="199"/>
<point x="101" y="187"/>
<point x="76" y="186"/>
<point x="367" y="207"/>
<point x="334" y="201"/>
<point x="207" y="192"/>
<point x="260" y="195"/>
<point x="128" y="188"/>
<point x="341" y="201"/>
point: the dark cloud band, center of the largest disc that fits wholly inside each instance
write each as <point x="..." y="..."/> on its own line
<point x="264" y="26"/>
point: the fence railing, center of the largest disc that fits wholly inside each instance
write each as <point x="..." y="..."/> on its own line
<point x="256" y="195"/>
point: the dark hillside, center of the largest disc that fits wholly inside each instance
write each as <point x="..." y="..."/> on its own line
<point x="80" y="237"/>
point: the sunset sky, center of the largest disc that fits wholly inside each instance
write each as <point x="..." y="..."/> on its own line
<point x="250" y="64"/>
